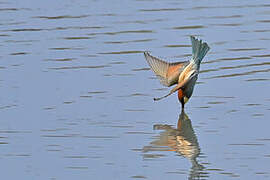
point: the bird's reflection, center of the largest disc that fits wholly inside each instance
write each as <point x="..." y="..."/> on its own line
<point x="181" y="140"/>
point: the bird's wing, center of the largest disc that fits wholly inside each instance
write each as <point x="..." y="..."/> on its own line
<point x="168" y="73"/>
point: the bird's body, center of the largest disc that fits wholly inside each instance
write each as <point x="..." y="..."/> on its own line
<point x="184" y="74"/>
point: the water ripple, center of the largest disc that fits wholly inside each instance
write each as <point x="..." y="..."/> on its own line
<point x="61" y="17"/>
<point x="246" y="49"/>
<point x="13" y="9"/>
<point x="161" y="9"/>
<point x="239" y="74"/>
<point x="122" y="52"/>
<point x="77" y="37"/>
<point x="129" y="41"/>
<point x="227" y="24"/>
<point x="216" y="17"/>
<point x="61" y="59"/>
<point x="177" y="45"/>
<point x="123" y="32"/>
<point x="189" y="27"/>
<point x="227" y="59"/>
<point x="79" y="67"/>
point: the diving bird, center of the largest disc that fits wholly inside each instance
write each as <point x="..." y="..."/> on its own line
<point x="184" y="74"/>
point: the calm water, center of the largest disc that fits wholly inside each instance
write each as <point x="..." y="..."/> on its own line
<point x="77" y="94"/>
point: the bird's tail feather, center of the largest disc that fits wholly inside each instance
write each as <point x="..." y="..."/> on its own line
<point x="199" y="49"/>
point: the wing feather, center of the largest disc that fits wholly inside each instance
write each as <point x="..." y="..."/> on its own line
<point x="168" y="73"/>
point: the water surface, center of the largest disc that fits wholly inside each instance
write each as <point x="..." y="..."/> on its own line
<point x="77" y="95"/>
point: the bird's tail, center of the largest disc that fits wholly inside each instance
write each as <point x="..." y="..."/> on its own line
<point x="199" y="50"/>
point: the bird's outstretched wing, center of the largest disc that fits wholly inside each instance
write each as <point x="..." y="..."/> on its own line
<point x="168" y="73"/>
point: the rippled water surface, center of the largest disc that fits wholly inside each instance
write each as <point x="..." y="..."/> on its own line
<point x="77" y="94"/>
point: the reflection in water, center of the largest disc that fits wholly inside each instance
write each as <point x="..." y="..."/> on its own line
<point x="85" y="58"/>
<point x="181" y="140"/>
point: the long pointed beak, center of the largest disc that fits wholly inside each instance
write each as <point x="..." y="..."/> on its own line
<point x="157" y="99"/>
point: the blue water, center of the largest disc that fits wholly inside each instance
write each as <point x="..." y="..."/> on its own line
<point x="77" y="94"/>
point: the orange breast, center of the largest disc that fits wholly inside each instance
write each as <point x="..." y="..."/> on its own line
<point x="180" y="94"/>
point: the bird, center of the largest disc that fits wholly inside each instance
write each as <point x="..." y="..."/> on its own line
<point x="182" y="74"/>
